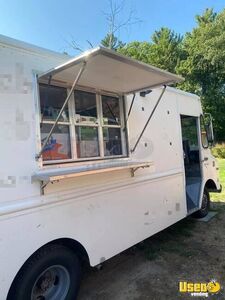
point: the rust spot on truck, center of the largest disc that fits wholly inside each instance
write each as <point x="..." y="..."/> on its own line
<point x="102" y="259"/>
<point x="177" y="206"/>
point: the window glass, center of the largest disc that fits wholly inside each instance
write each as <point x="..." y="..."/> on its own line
<point x="51" y="101"/>
<point x="85" y="106"/>
<point x="87" y="141"/>
<point x="112" y="141"/>
<point x="96" y="124"/>
<point x="190" y="132"/>
<point x="205" y="143"/>
<point x="58" y="146"/>
<point x="110" y="110"/>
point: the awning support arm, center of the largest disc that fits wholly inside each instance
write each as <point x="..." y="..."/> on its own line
<point x="146" y="124"/>
<point x="62" y="109"/>
<point x="129" y="111"/>
<point x="131" y="105"/>
<point x="130" y="108"/>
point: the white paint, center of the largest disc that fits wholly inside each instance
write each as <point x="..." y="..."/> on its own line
<point x="106" y="213"/>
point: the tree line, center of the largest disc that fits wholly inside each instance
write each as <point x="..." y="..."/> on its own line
<point x="199" y="56"/>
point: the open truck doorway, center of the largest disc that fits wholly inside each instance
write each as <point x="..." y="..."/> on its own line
<point x="191" y="152"/>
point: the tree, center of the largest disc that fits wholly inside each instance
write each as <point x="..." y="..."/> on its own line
<point x="115" y="23"/>
<point x="137" y="50"/>
<point x="204" y="66"/>
<point x="164" y="51"/>
<point x="112" y="42"/>
<point x="199" y="57"/>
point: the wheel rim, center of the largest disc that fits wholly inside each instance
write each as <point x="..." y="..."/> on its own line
<point x="52" y="283"/>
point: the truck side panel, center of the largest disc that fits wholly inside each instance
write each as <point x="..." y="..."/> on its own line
<point x="105" y="213"/>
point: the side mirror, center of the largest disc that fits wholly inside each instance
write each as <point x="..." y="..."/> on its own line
<point x="209" y="128"/>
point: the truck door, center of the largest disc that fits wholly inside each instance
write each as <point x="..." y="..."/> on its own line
<point x="191" y="147"/>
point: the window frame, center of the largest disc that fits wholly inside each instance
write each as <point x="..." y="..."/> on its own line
<point x="100" y="125"/>
<point x="68" y="124"/>
<point x="76" y="124"/>
<point x="202" y="120"/>
<point x="121" y="125"/>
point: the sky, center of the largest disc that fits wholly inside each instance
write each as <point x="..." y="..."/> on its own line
<point x="53" y="24"/>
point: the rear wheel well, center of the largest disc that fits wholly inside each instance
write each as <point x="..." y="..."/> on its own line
<point x="73" y="245"/>
<point x="210" y="185"/>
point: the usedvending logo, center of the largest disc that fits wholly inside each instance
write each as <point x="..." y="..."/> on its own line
<point x="200" y="289"/>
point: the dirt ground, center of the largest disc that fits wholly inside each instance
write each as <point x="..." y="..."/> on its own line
<point x="190" y="251"/>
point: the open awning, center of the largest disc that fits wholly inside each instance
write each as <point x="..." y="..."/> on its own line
<point x="107" y="70"/>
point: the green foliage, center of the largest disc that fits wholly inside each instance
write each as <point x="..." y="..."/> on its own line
<point x="112" y="42"/>
<point x="220" y="197"/>
<point x="137" y="50"/>
<point x="199" y="57"/>
<point x="204" y="66"/>
<point x="219" y="150"/>
<point x="164" y="51"/>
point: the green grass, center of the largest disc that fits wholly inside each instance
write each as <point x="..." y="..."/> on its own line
<point x="220" y="197"/>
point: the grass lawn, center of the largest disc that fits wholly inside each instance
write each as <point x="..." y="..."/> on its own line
<point x="220" y="197"/>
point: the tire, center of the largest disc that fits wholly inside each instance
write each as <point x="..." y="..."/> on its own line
<point x="205" y="206"/>
<point x="51" y="273"/>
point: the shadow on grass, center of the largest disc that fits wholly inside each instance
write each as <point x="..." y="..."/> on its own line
<point x="172" y="239"/>
<point x="175" y="239"/>
<point x="217" y="206"/>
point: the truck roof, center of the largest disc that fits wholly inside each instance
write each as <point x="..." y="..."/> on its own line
<point x="14" y="43"/>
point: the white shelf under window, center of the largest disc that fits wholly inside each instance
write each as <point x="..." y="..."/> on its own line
<point x="59" y="173"/>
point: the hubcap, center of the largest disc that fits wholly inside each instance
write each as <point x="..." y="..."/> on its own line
<point x="52" y="283"/>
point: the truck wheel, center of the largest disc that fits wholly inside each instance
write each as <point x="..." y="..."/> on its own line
<point x="205" y="206"/>
<point x="52" y="273"/>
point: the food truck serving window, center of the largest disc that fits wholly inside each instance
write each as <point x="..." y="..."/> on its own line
<point x="90" y="127"/>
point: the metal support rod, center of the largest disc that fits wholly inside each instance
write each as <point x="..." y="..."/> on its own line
<point x="49" y="79"/>
<point x="146" y="124"/>
<point x="130" y="108"/>
<point x="62" y="109"/>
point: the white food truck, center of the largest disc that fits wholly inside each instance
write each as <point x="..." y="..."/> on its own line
<point x="97" y="154"/>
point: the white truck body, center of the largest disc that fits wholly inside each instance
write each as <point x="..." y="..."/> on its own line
<point x="105" y="212"/>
